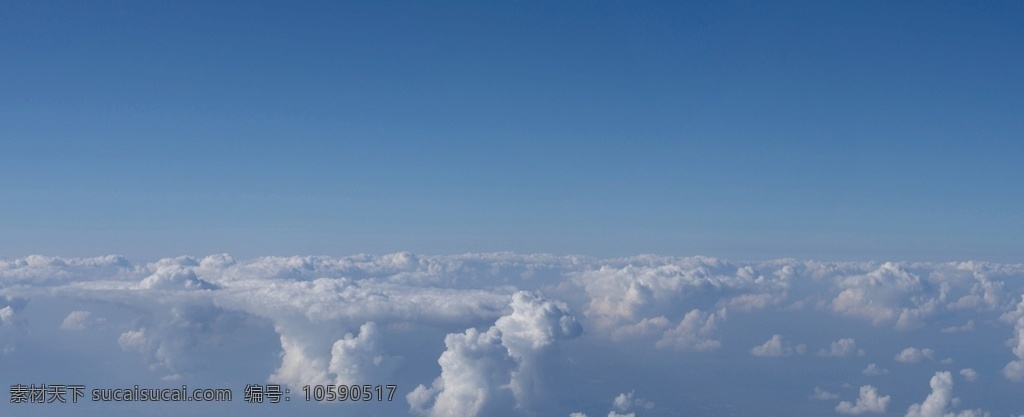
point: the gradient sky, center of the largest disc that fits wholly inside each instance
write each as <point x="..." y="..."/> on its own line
<point x="745" y="130"/>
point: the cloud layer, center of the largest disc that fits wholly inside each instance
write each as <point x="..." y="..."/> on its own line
<point x="509" y="334"/>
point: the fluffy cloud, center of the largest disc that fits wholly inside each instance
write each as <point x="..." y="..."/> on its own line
<point x="774" y="347"/>
<point x="528" y="333"/>
<point x="483" y="372"/>
<point x="133" y="340"/>
<point x="641" y="295"/>
<point x="694" y="333"/>
<point x="874" y="370"/>
<point x="341" y="319"/>
<point x="935" y="404"/>
<point x="969" y="374"/>
<point x="622" y="404"/>
<point x="474" y="368"/>
<point x="842" y="348"/>
<point x="11" y="328"/>
<point x="77" y="320"/>
<point x="914" y="355"/>
<point x="869" y="402"/>
<point x="171" y="275"/>
<point x="967" y="327"/>
<point x="820" y="394"/>
<point x="625" y="402"/>
<point x="876" y="296"/>
<point x="941" y="396"/>
<point x="1014" y="370"/>
<point x="357" y="359"/>
<point x="6" y="315"/>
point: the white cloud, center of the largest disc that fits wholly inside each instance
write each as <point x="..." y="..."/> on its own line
<point x="169" y="276"/>
<point x="482" y="372"/>
<point x="473" y="369"/>
<point x="941" y="396"/>
<point x="935" y="404"/>
<point x="868" y="402"/>
<point x="914" y="355"/>
<point x="76" y="320"/>
<point x="878" y="295"/>
<point x="356" y="359"/>
<point x="694" y="332"/>
<point x="624" y="402"/>
<point x="842" y="348"/>
<point x="857" y="302"/>
<point x="969" y="374"/>
<point x="6" y="315"/>
<point x="133" y="340"/>
<point x="623" y="293"/>
<point x="534" y="325"/>
<point x="1018" y="312"/>
<point x="820" y="394"/>
<point x="967" y="327"/>
<point x="1014" y="370"/>
<point x="775" y="347"/>
<point x="874" y="370"/>
<point x="984" y="294"/>
<point x="970" y="413"/>
<point x="342" y="319"/>
<point x="644" y="327"/>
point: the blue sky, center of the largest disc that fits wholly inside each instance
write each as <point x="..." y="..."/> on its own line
<point x="745" y="130"/>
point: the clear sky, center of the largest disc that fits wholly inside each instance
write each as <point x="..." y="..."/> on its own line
<point x="745" y="130"/>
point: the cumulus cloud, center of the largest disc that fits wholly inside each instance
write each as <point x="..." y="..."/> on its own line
<point x="842" y="348"/>
<point x="11" y="327"/>
<point x="868" y="402"/>
<point x="878" y="295"/>
<point x="6" y="315"/>
<point x="820" y="394"/>
<point x="966" y="327"/>
<point x="172" y="276"/>
<point x="133" y="340"/>
<point x="935" y="404"/>
<point x="358" y="359"/>
<point x="775" y="347"/>
<point x="969" y="374"/>
<point x="339" y="319"/>
<point x="874" y="370"/>
<point x="482" y="372"/>
<point x="624" y="402"/>
<point x="533" y="327"/>
<point x="694" y="332"/>
<point x="473" y="369"/>
<point x="984" y="294"/>
<point x="641" y="295"/>
<point x="1014" y="370"/>
<point x="914" y="355"/>
<point x="646" y="326"/>
<point x="941" y="396"/>
<point x="77" y="320"/>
